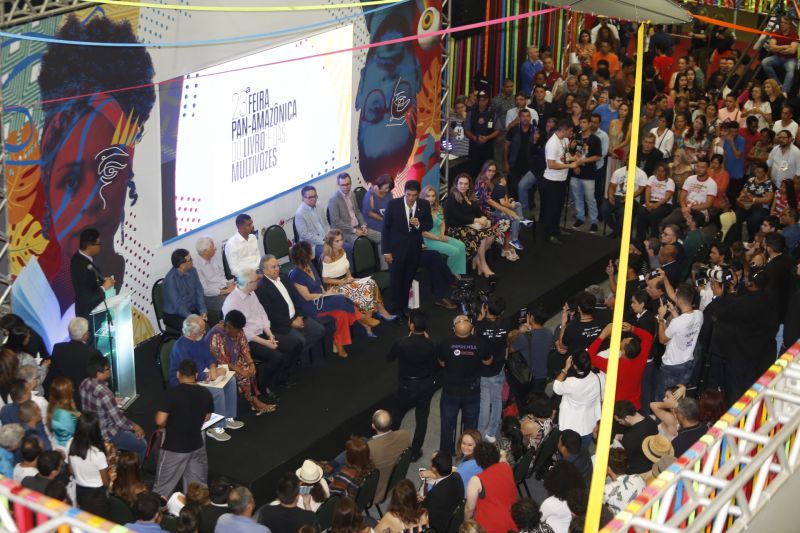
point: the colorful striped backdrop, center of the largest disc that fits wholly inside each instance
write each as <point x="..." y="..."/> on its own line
<point x="498" y="51"/>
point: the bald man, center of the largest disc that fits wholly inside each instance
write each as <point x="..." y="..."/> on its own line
<point x="385" y="448"/>
<point x="461" y="356"/>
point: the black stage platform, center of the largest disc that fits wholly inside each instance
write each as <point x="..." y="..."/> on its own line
<point x="335" y="398"/>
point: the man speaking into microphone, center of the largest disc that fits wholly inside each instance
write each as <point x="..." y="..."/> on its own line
<point x="403" y="223"/>
<point x="88" y="282"/>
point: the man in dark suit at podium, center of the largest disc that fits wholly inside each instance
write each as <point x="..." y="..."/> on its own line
<point x="88" y="282"/>
<point x="403" y="223"/>
<point x="277" y="297"/>
<point x="70" y="358"/>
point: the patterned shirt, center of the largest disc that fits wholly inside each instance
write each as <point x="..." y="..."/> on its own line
<point x="620" y="492"/>
<point x="98" y="398"/>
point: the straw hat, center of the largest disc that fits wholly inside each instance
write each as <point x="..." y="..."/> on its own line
<point x="662" y="464"/>
<point x="309" y="473"/>
<point x="655" y="447"/>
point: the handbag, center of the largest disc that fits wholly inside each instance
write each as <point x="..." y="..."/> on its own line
<point x="518" y="367"/>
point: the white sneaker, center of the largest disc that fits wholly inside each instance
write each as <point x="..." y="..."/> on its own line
<point x="218" y="434"/>
<point x="231" y="423"/>
<point x="526" y="222"/>
<point x="490" y="439"/>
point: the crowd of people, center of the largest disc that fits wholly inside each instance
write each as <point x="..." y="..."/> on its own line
<point x="711" y="297"/>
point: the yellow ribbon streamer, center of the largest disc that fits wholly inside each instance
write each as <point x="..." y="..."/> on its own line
<point x="592" y="523"/>
<point x="240" y="9"/>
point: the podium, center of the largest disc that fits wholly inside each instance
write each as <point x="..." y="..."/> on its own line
<point x="114" y="339"/>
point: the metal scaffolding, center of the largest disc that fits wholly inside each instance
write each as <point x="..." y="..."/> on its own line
<point x="731" y="473"/>
<point x="20" y="11"/>
<point x="444" y="102"/>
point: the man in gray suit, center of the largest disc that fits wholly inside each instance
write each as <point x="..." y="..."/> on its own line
<point x="346" y="214"/>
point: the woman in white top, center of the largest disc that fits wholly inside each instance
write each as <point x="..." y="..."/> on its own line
<point x="562" y="479"/>
<point x="657" y="200"/>
<point x="87" y="458"/>
<point x="664" y="137"/>
<point x="364" y="292"/>
<point x="581" y="392"/>
<point x="759" y="106"/>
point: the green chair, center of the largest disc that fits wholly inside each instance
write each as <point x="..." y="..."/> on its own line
<point x="164" y="351"/>
<point x="158" y="307"/>
<point x="399" y="472"/>
<point x="544" y="455"/>
<point x="360" y="192"/>
<point x="169" y="523"/>
<point x="325" y="513"/>
<point x="365" y="262"/>
<point x="119" y="511"/>
<point x="277" y="243"/>
<point x="457" y="518"/>
<point x="521" y="471"/>
<point x="366" y="493"/>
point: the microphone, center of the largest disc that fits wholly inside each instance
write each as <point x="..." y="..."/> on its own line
<point x="90" y="267"/>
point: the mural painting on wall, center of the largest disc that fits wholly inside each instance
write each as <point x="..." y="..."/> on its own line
<point x="70" y="160"/>
<point x="398" y="97"/>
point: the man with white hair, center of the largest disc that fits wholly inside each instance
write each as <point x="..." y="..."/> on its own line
<point x="192" y="346"/>
<point x="212" y="277"/>
<point x="10" y="439"/>
<point x="263" y="344"/>
<point x="70" y="358"/>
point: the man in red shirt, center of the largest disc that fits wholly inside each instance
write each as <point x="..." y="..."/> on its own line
<point x="634" y="350"/>
<point x="663" y="64"/>
<point x="783" y="53"/>
<point x="605" y="52"/>
<point x="750" y="133"/>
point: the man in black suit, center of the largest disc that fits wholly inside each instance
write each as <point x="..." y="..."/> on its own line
<point x="779" y="271"/>
<point x="289" y="326"/>
<point x="70" y="358"/>
<point x="444" y="491"/>
<point x="403" y="223"/>
<point x="88" y="283"/>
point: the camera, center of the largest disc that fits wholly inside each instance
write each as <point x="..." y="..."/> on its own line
<point x="469" y="299"/>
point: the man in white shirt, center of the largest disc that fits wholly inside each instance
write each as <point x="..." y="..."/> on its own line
<point x="784" y="159"/>
<point x="263" y="344"/>
<point x="680" y="337"/>
<point x="212" y="277"/>
<point x="697" y="194"/>
<point x="241" y="250"/>
<point x="614" y="204"/>
<point x="520" y="103"/>
<point x="554" y="180"/>
<point x="294" y="332"/>
<point x="786" y="122"/>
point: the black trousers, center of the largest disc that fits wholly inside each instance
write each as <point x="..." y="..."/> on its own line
<point x="438" y="272"/>
<point x="401" y="274"/>
<point x="552" y="193"/>
<point x="274" y="364"/>
<point x="414" y="394"/>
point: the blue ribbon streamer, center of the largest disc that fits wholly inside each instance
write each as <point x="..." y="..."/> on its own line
<point x="38" y="37"/>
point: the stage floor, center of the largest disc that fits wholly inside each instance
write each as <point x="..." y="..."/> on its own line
<point x="335" y="398"/>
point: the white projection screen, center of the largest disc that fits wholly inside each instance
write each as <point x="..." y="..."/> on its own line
<point x="248" y="130"/>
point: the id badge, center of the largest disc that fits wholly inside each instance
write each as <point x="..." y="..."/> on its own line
<point x="491" y="124"/>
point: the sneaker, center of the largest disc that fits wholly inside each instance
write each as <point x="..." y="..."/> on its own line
<point x="526" y="222"/>
<point x="577" y="224"/>
<point x="490" y="439"/>
<point x="231" y="423"/>
<point x="593" y="229"/>
<point x="516" y="244"/>
<point x="555" y="240"/>
<point x="218" y="434"/>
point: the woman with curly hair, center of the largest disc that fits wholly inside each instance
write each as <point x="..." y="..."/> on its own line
<point x="528" y="517"/>
<point x="491" y="493"/>
<point x="9" y="365"/>
<point x="405" y="512"/>
<point x="88" y="142"/>
<point x="62" y="415"/>
<point x="364" y="292"/>
<point x="559" y="481"/>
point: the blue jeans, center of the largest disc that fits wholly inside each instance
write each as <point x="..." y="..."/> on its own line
<point x="224" y="401"/>
<point x="526" y="183"/>
<point x="449" y="406"/>
<point x="648" y="386"/>
<point x="583" y="191"/>
<point x="491" y="406"/>
<point x="671" y="375"/>
<point x="515" y="224"/>
<point x="789" y="64"/>
<point x="127" y="440"/>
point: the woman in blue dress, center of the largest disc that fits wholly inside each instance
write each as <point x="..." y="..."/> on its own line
<point x="315" y="301"/>
<point x="376" y="200"/>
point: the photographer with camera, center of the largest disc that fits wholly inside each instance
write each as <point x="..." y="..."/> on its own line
<point x="495" y="334"/>
<point x="678" y="333"/>
<point x="717" y="280"/>
<point x="461" y="356"/>
<point x="534" y="342"/>
<point x="744" y="333"/>
<point x="579" y="327"/>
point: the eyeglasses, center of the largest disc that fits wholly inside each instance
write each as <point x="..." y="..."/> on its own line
<point x="314" y="197"/>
